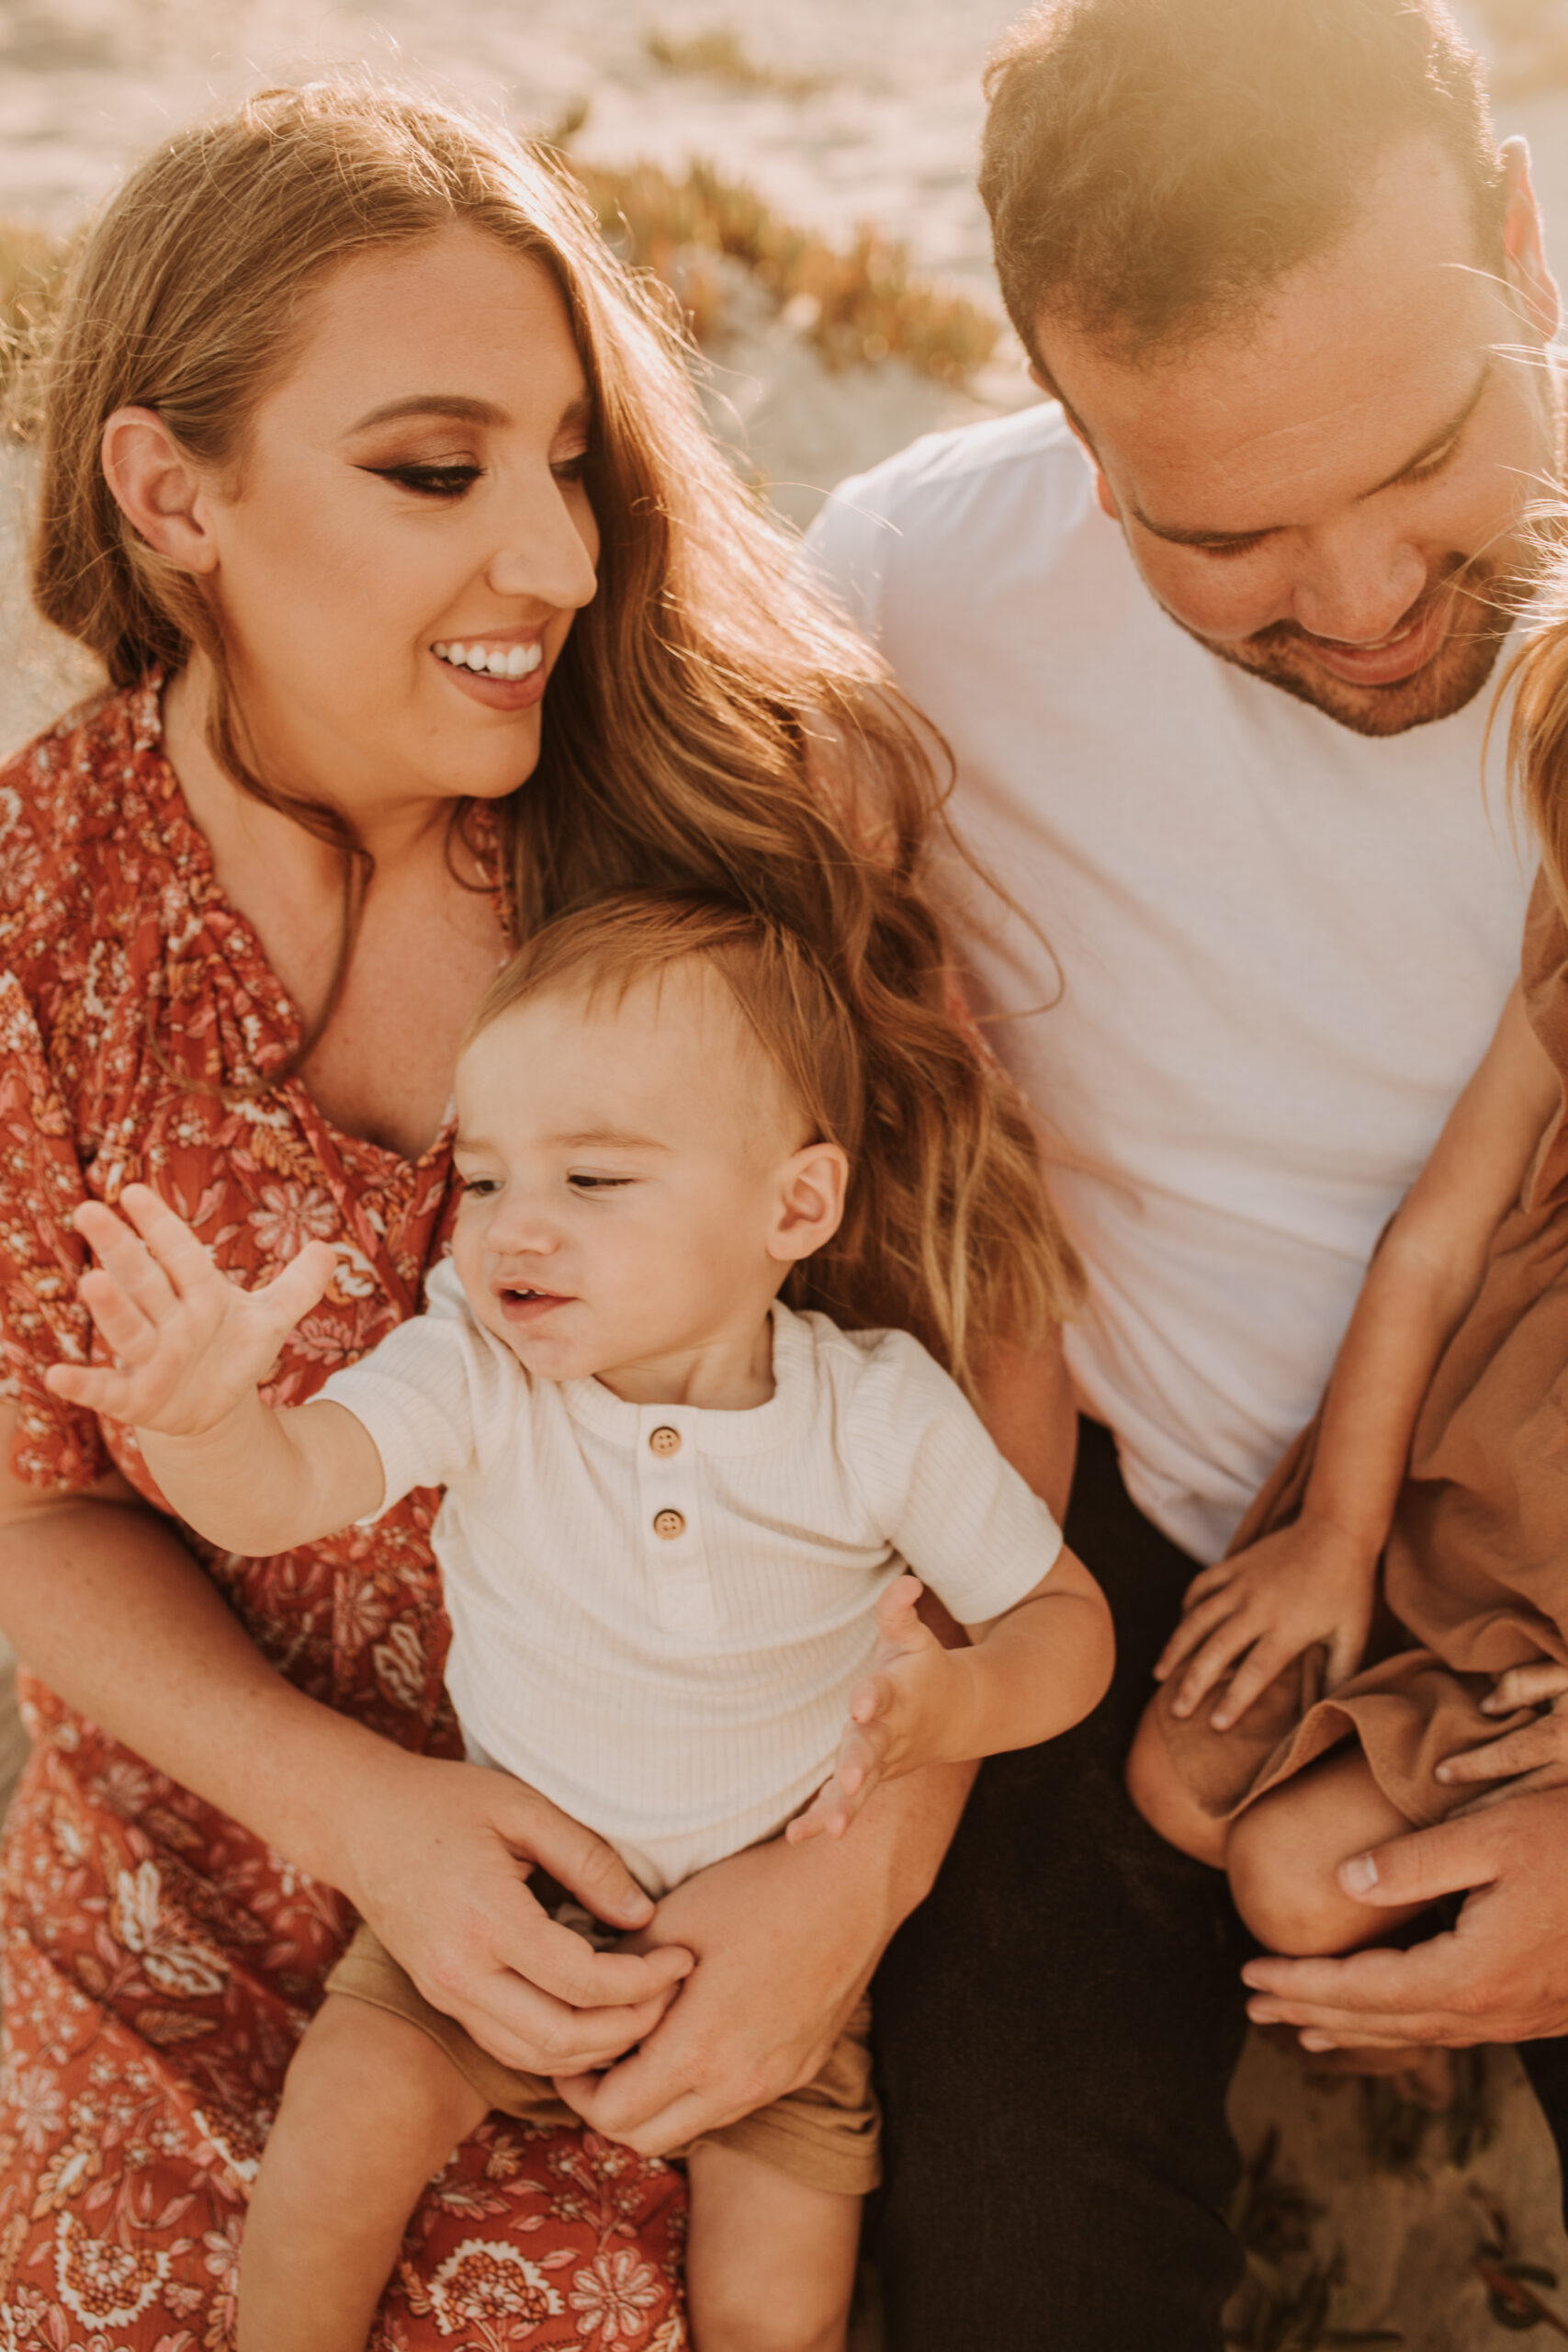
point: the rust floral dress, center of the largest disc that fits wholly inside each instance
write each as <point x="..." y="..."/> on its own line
<point x="159" y="1961"/>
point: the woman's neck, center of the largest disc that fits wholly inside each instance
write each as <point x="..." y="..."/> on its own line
<point x="242" y="829"/>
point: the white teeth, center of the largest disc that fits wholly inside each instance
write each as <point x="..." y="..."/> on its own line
<point x="497" y="662"/>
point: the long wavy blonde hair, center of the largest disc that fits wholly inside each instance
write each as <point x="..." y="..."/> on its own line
<point x="710" y="726"/>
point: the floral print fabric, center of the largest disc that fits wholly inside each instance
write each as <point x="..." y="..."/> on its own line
<point x="159" y="1961"/>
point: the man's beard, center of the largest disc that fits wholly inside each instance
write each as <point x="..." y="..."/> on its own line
<point x="1487" y="598"/>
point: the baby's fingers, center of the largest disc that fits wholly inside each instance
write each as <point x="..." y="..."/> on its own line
<point x="1526" y="1686"/>
<point x="302" y="1283"/>
<point x="1194" y="1630"/>
<point x="1267" y="1657"/>
<point x="1532" y="1745"/>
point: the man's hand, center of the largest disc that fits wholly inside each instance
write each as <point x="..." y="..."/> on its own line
<point x="785" y="1938"/>
<point x="1308" y="1583"/>
<point x="1532" y="1755"/>
<point x="1501" y="1975"/>
<point x="899" y="1715"/>
<point x="188" y="1345"/>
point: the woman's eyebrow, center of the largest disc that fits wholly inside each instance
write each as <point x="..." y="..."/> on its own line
<point x="457" y="405"/>
<point x="464" y="407"/>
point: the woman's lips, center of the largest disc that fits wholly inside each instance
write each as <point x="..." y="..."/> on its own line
<point x="496" y="694"/>
<point x="1387" y="664"/>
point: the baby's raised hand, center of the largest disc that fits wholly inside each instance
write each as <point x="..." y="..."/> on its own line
<point x="1255" y="1611"/>
<point x="897" y="1715"/>
<point x="1533" y="1754"/>
<point x="188" y="1346"/>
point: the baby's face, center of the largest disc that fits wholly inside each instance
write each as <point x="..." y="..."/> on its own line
<point x="620" y="1169"/>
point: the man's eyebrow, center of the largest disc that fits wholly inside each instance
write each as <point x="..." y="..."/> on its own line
<point x="1198" y="538"/>
<point x="461" y="406"/>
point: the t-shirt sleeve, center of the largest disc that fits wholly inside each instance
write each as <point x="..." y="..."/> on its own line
<point x="422" y="1392"/>
<point x="961" y="1515"/>
<point x="848" y="547"/>
<point x="43" y="1258"/>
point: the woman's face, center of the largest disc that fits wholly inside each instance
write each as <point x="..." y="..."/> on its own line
<point x="409" y="538"/>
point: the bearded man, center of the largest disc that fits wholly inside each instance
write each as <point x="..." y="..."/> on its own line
<point x="1210" y="636"/>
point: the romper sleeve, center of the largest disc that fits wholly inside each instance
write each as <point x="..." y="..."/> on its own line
<point x="966" y="1522"/>
<point x="426" y="1394"/>
<point x="42" y="1258"/>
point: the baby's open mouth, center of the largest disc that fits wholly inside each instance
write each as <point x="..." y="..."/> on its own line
<point x="519" y="1304"/>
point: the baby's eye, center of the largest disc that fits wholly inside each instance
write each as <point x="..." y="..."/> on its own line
<point x="429" y="481"/>
<point x="597" y="1183"/>
<point x="478" y="1188"/>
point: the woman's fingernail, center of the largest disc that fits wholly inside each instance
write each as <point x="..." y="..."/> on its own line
<point x="1359" y="1875"/>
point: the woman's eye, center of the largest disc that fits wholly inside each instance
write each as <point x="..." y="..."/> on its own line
<point x="429" y="481"/>
<point x="570" y="468"/>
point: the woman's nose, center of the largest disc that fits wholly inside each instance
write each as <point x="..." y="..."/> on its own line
<point x="549" y="550"/>
<point x="1357" y="587"/>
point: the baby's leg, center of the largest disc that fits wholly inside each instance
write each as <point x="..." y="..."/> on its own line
<point x="1284" y="1853"/>
<point x="371" y="2108"/>
<point x="771" y="2262"/>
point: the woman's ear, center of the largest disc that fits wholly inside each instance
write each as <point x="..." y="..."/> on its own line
<point x="158" y="490"/>
<point x="810" y="1210"/>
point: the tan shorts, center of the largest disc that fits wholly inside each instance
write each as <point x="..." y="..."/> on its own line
<point x="827" y="2134"/>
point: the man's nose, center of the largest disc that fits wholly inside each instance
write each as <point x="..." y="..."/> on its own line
<point x="1357" y="584"/>
<point x="544" y="554"/>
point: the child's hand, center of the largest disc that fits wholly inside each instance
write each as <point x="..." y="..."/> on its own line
<point x="1535" y="1755"/>
<point x="1308" y="1583"/>
<point x="188" y="1346"/>
<point x="899" y="1715"/>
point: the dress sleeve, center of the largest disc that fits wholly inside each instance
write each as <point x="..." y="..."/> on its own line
<point x="42" y="1258"/>
<point x="426" y="1394"/>
<point x="962" y="1518"/>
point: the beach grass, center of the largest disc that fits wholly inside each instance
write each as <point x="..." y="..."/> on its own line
<point x="720" y="55"/>
<point x="856" y="303"/>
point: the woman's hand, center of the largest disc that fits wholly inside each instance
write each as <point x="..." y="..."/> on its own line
<point x="899" y="1715"/>
<point x="1529" y="1756"/>
<point x="437" y="1861"/>
<point x="189" y="1346"/>
<point x="785" y="1938"/>
<point x="1309" y="1583"/>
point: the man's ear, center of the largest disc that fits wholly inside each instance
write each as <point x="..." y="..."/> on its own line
<point x="810" y="1208"/>
<point x="1103" y="492"/>
<point x="1524" y="264"/>
<point x="158" y="490"/>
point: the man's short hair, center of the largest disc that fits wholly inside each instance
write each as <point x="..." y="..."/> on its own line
<point x="1152" y="169"/>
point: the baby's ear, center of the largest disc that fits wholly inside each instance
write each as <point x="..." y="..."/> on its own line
<point x="810" y="1206"/>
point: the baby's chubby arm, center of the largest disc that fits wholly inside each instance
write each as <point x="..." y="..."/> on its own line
<point x="1036" y="1670"/>
<point x="1313" y="1581"/>
<point x="190" y="1349"/>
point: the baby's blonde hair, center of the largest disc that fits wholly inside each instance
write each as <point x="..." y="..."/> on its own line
<point x="1537" y="732"/>
<point x="947" y="1229"/>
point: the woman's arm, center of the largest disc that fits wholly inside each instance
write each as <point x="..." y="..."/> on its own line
<point x="1313" y="1581"/>
<point x="786" y="1937"/>
<point x="105" y="1604"/>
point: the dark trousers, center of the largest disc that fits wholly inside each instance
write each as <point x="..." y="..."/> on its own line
<point x="1056" y="2029"/>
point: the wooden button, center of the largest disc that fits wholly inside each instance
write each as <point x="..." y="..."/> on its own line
<point x="665" y="1440"/>
<point x="668" y="1523"/>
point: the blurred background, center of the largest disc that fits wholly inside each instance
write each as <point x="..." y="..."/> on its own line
<point x="802" y="175"/>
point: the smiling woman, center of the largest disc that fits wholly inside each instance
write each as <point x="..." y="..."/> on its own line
<point x="429" y="610"/>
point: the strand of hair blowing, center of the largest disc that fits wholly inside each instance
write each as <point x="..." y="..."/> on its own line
<point x="708" y="726"/>
<point x="1538" y="728"/>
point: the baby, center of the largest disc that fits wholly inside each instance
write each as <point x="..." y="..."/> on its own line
<point x="676" y="1539"/>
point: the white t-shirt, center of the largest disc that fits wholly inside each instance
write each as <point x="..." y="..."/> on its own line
<point x="1282" y="947"/>
<point x="658" y="1611"/>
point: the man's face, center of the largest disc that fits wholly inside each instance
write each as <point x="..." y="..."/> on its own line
<point x="1338" y="497"/>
